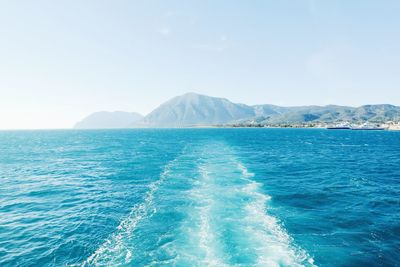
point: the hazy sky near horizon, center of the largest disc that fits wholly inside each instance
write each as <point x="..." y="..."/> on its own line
<point x="61" y="60"/>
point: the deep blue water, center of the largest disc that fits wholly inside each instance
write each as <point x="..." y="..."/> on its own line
<point x="200" y="197"/>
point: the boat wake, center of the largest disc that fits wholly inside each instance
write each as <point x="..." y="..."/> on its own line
<point x="206" y="209"/>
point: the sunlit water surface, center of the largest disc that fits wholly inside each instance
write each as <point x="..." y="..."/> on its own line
<point x="200" y="197"/>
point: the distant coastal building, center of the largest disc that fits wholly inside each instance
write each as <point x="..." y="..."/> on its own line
<point x="394" y="126"/>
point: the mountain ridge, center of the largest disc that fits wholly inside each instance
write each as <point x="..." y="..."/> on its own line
<point x="193" y="110"/>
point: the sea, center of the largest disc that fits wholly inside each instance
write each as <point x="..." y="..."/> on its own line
<point x="200" y="197"/>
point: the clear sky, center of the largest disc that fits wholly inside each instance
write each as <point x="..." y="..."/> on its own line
<point x="61" y="60"/>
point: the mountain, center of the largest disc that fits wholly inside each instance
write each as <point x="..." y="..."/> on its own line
<point x="195" y="110"/>
<point x="109" y="120"/>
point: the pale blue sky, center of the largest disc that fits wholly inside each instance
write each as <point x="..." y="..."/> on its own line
<point x="61" y="60"/>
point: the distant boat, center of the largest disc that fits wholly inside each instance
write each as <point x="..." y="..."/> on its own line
<point x="368" y="127"/>
<point x="342" y="126"/>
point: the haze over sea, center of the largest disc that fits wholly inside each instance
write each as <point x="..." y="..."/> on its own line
<point x="199" y="197"/>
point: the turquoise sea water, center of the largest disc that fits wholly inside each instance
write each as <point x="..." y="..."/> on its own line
<point x="200" y="197"/>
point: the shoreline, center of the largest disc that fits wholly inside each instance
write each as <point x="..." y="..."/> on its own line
<point x="390" y="128"/>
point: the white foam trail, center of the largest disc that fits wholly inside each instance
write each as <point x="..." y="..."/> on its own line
<point x="228" y="202"/>
<point x="115" y="249"/>
<point x="275" y="246"/>
<point x="207" y="239"/>
<point x="197" y="242"/>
